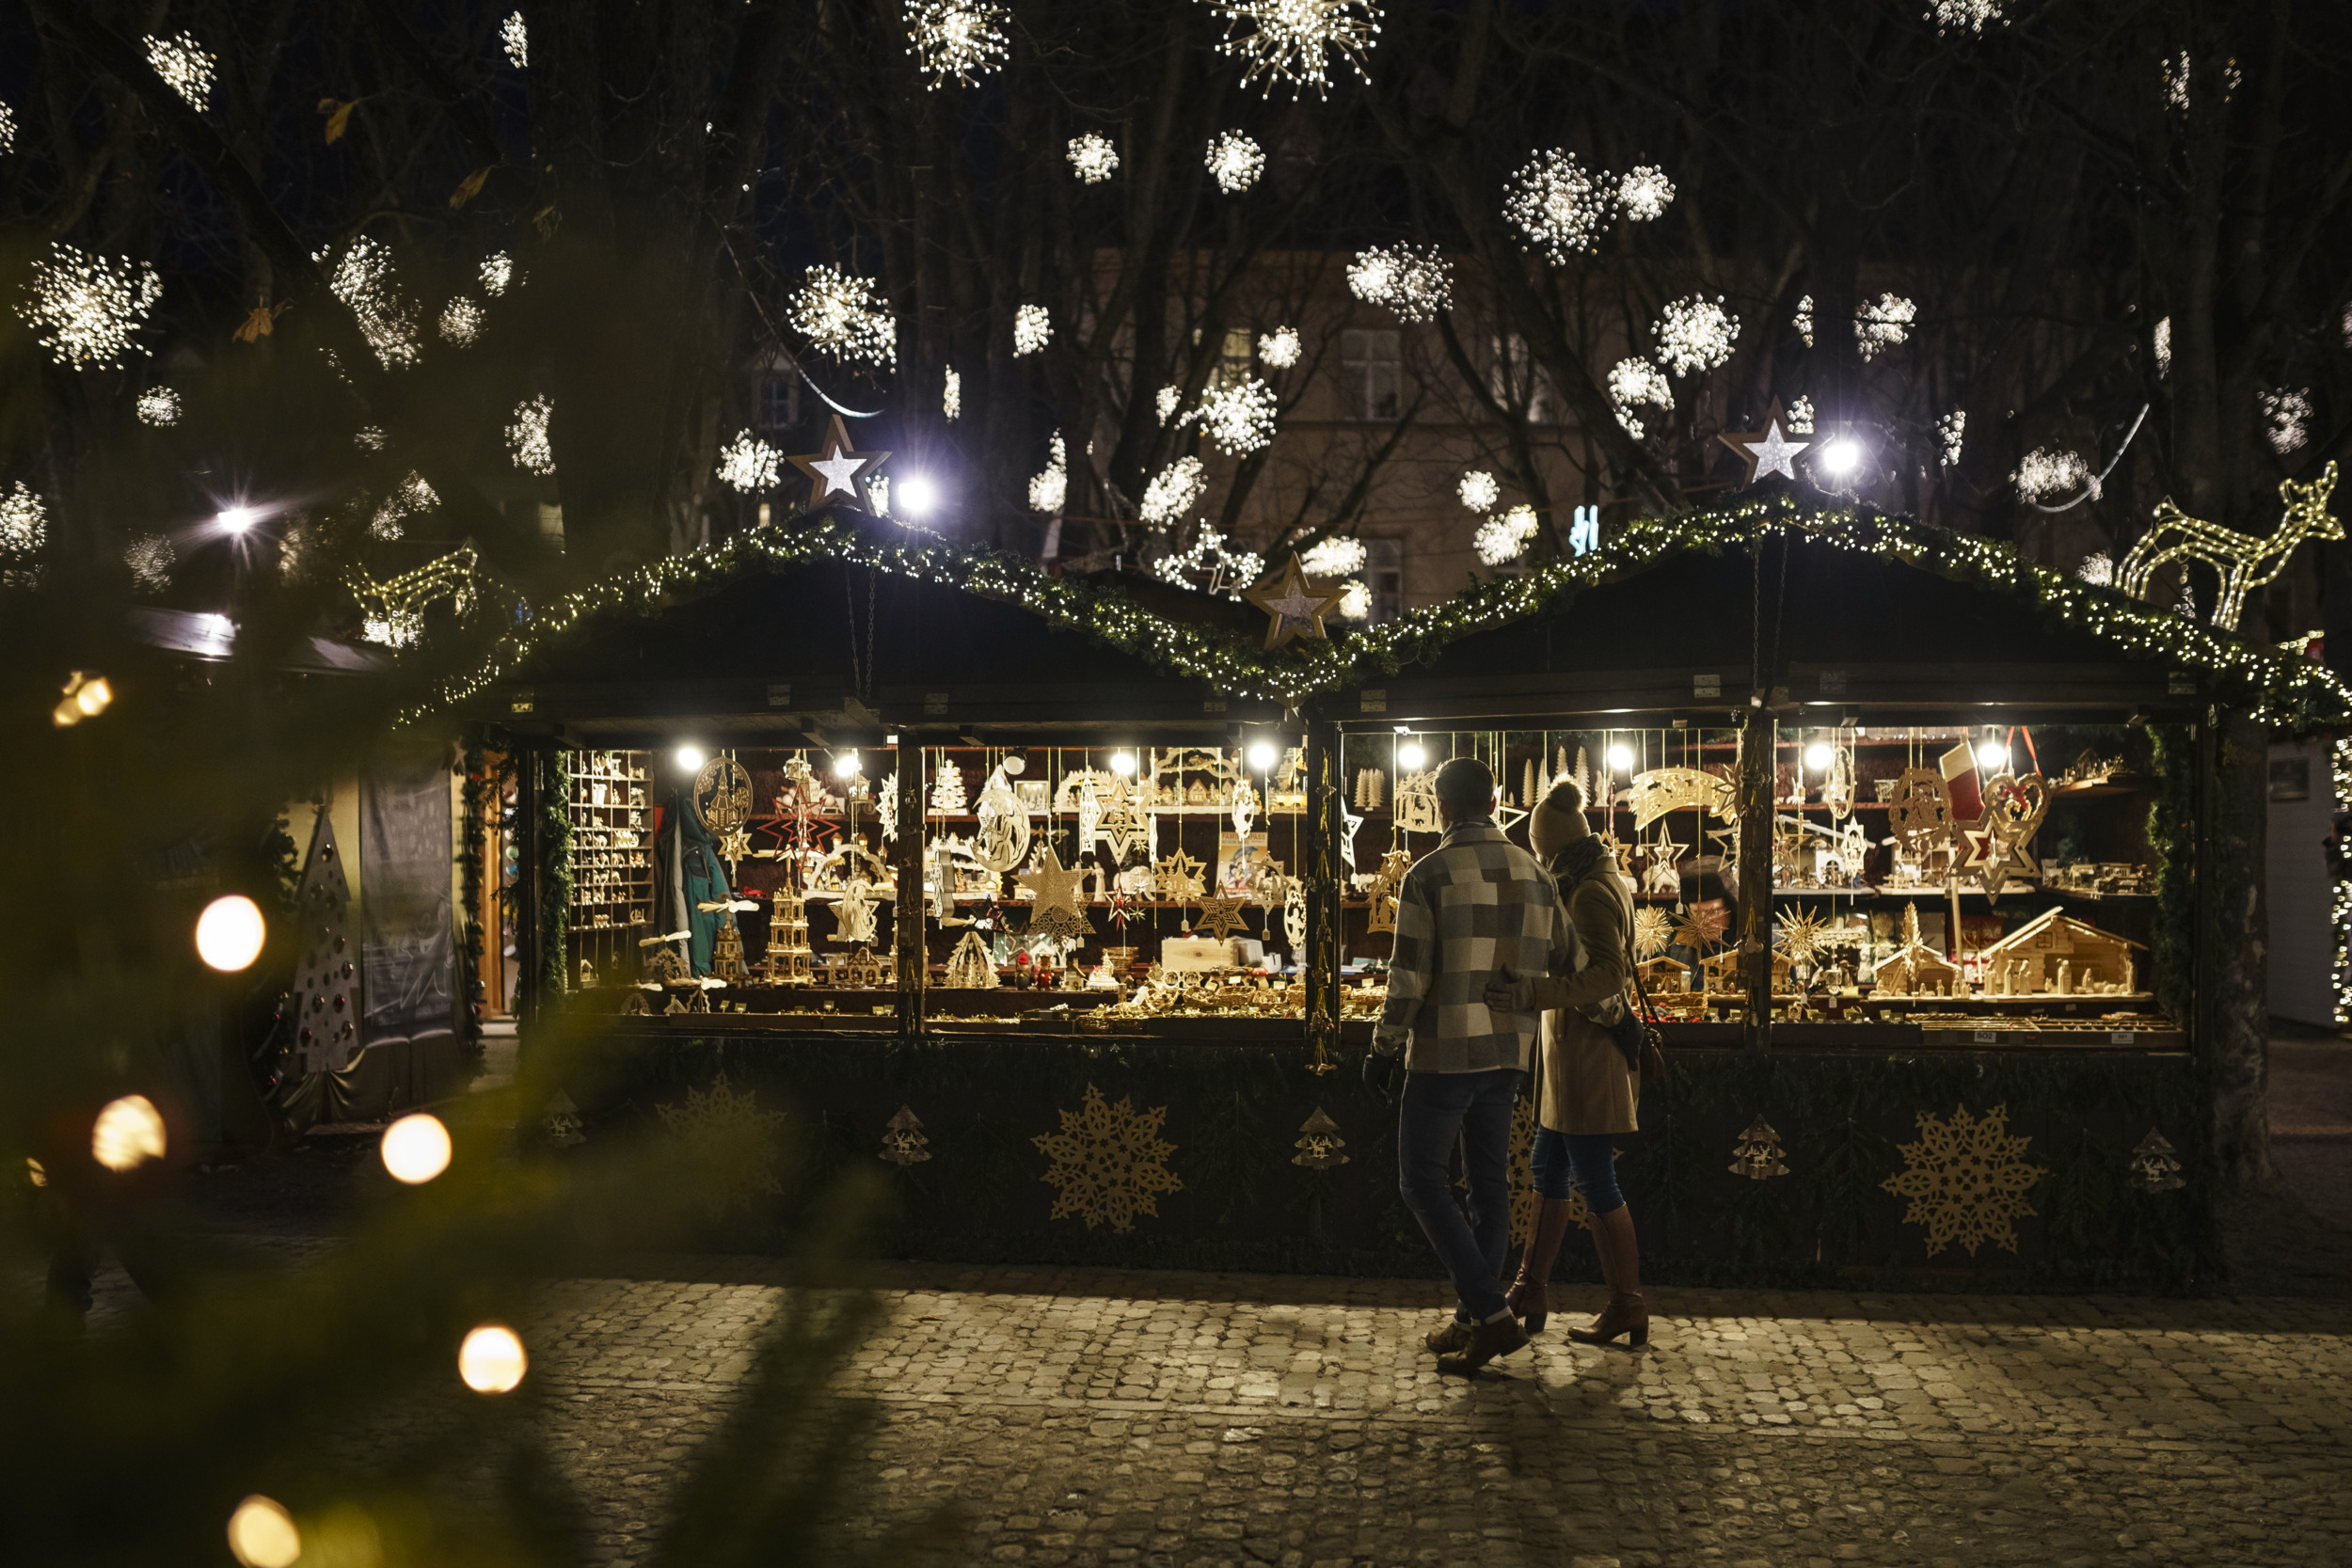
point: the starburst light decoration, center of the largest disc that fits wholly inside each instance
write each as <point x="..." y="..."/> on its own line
<point x="956" y="39"/>
<point x="1884" y="324"/>
<point x="1172" y="491"/>
<point x="1951" y="431"/>
<point x="2286" y="417"/>
<point x="1696" y="334"/>
<point x="1635" y="383"/>
<point x="461" y="321"/>
<point x="1355" y="600"/>
<point x="1646" y="193"/>
<point x="1336" y="556"/>
<point x="367" y="437"/>
<point x="1032" y="330"/>
<point x="2175" y="70"/>
<point x="527" y="441"/>
<point x="1415" y="281"/>
<point x="515" y="38"/>
<point x="1802" y="934"/>
<point x="364" y="281"/>
<point x="1558" y="206"/>
<point x="1967" y="1179"/>
<point x="1803" y="320"/>
<point x="1094" y="158"/>
<point x="182" y="63"/>
<point x="1235" y="160"/>
<point x="1165" y="403"/>
<point x="497" y="270"/>
<point x="407" y="498"/>
<point x="1965" y="16"/>
<point x="843" y="316"/>
<point x="1478" y="490"/>
<point x="2160" y="343"/>
<point x="2097" y="567"/>
<point x="8" y="129"/>
<point x="1109" y="1162"/>
<point x="150" y="558"/>
<point x="2046" y="472"/>
<point x="749" y="464"/>
<point x="1800" y="417"/>
<point x="159" y="405"/>
<point x="1292" y="41"/>
<point x="1505" y="537"/>
<point x="1048" y="490"/>
<point x="1238" y="417"/>
<point x="1279" y="348"/>
<point x="86" y="309"/>
<point x="24" y="520"/>
<point x="951" y="396"/>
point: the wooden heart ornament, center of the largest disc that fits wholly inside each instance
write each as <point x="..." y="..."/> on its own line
<point x="2019" y="806"/>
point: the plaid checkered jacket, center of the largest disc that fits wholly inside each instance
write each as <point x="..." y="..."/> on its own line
<point x="1473" y="906"/>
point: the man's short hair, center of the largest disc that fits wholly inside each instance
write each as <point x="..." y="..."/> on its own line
<point x="1466" y="788"/>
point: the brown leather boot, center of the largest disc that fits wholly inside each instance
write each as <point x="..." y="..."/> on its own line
<point x="1485" y="1342"/>
<point x="1446" y="1341"/>
<point x="1529" y="1296"/>
<point x="1621" y="1266"/>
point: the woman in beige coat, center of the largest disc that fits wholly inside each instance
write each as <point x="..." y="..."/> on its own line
<point x="1589" y="1091"/>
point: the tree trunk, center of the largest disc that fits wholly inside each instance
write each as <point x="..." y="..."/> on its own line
<point x="2237" y="1015"/>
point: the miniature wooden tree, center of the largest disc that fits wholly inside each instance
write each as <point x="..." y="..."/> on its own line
<point x="327" y="983"/>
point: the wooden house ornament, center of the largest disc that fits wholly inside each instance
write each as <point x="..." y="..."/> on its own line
<point x="1915" y="968"/>
<point x="2056" y="955"/>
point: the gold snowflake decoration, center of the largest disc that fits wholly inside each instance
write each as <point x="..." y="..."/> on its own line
<point x="1701" y="927"/>
<point x="1653" y="929"/>
<point x="1802" y="934"/>
<point x="729" y="1143"/>
<point x="1109" y="1163"/>
<point x="1967" y="1179"/>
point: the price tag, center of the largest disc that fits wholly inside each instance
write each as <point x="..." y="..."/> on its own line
<point x="1988" y="1036"/>
<point x="2118" y="1036"/>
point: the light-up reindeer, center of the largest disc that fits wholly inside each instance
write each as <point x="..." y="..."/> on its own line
<point x="2242" y="562"/>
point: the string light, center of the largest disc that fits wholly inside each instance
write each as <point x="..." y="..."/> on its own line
<point x="2340" y="913"/>
<point x="2286" y="415"/>
<point x="1229" y="571"/>
<point x="1558" y="205"/>
<point x="1050" y="489"/>
<point x="461" y="321"/>
<point x="8" y="129"/>
<point x="88" y="309"/>
<point x="497" y="270"/>
<point x="1293" y="41"/>
<point x="951" y="395"/>
<point x="1635" y="383"/>
<point x="1173" y="491"/>
<point x="958" y="40"/>
<point x="1950" y="432"/>
<point x="1646" y="193"/>
<point x="1235" y="160"/>
<point x="1336" y="556"/>
<point x="1094" y="158"/>
<point x="2175" y="70"/>
<point x="2046" y="472"/>
<point x="363" y="280"/>
<point x="527" y="441"/>
<point x="1696" y="334"/>
<point x="1972" y="16"/>
<point x="749" y="464"/>
<point x="1884" y="324"/>
<point x="407" y="498"/>
<point x="1279" y="348"/>
<point x="1166" y="402"/>
<point x="1032" y="330"/>
<point x="394" y="608"/>
<point x="1238" y="416"/>
<point x="150" y="558"/>
<point x="182" y="63"/>
<point x="1415" y="281"/>
<point x="159" y="405"/>
<point x="843" y="316"/>
<point x="1803" y="320"/>
<point x="1800" y="417"/>
<point x="1478" y="490"/>
<point x="515" y="38"/>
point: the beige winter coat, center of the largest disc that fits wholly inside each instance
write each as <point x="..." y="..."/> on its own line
<point x="1587" y="1086"/>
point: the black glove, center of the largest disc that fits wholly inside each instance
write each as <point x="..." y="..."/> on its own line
<point x="1509" y="993"/>
<point x="1384" y="1074"/>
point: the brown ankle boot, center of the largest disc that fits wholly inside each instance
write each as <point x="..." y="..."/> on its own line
<point x="1529" y="1296"/>
<point x="1621" y="1266"/>
<point x="1485" y="1342"/>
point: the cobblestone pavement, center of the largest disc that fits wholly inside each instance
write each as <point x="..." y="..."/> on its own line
<point x="1086" y="1415"/>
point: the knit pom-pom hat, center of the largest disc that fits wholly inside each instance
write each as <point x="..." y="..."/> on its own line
<point x="1557" y="821"/>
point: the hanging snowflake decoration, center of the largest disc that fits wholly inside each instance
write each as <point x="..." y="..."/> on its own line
<point x="410" y="496"/>
<point x="150" y="558"/>
<point x="8" y="129"/>
<point x="1645" y="194"/>
<point x="1951" y="432"/>
<point x="1966" y="1181"/>
<point x="159" y="405"/>
<point x="515" y="38"/>
<point x="1884" y="324"/>
<point x="957" y="39"/>
<point x="1635" y="383"/>
<point x="1696" y="334"/>
<point x="1506" y="537"/>
<point x="1279" y="348"/>
<point x="1109" y="1163"/>
<point x="1335" y="557"/>
<point x="1803" y="320"/>
<point x="86" y="309"/>
<point x="1968" y="16"/>
<point x="182" y="63"/>
<point x="1235" y="160"/>
<point x="1355" y="600"/>
<point x="1173" y="491"/>
<point x="749" y="464"/>
<point x="2098" y="569"/>
<point x="1094" y="158"/>
<point x="951" y="396"/>
<point x="1478" y="490"/>
<point x="1292" y="40"/>
<point x="497" y="270"/>
<point x="1032" y="330"/>
<point x="2286" y="417"/>
<point x="367" y="437"/>
<point x="1166" y="402"/>
<point x="461" y="321"/>
<point x="1238" y="416"/>
<point x="2046" y="473"/>
<point x="1558" y="206"/>
<point x="2175" y="72"/>
<point x="1048" y="490"/>
<point x="363" y="280"/>
<point x="1415" y="281"/>
<point x="843" y="316"/>
<point x="527" y="441"/>
<point x="23" y="521"/>
<point x="2160" y="343"/>
<point x="1800" y="417"/>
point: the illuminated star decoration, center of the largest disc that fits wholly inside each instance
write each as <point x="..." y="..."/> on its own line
<point x="1768" y="451"/>
<point x="839" y="469"/>
<point x="1219" y="917"/>
<point x="1296" y="606"/>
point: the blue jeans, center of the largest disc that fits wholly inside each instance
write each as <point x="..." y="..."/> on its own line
<point x="1584" y="1158"/>
<point x="1476" y="1107"/>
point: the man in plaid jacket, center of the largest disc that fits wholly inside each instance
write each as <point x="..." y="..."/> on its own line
<point x="1474" y="906"/>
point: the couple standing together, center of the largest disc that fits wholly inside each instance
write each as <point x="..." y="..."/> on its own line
<point x="1507" y="963"/>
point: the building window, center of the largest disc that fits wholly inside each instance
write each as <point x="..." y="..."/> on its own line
<point x="1233" y="357"/>
<point x="1384" y="574"/>
<point x="1370" y="371"/>
<point x="1517" y="381"/>
<point x="779" y="402"/>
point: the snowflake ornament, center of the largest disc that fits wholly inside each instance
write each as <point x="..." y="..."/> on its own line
<point x="1559" y="207"/>
<point x="363" y="280"/>
<point x="1172" y="491"/>
<point x="956" y="39"/>
<point x="461" y="321"/>
<point x="1294" y="42"/>
<point x="1951" y="432"/>
<point x="1279" y="348"/>
<point x="1644" y="194"/>
<point x="1967" y="1179"/>
<point x="2046" y="473"/>
<point x="1094" y="158"/>
<point x="1478" y="490"/>
<point x="150" y="558"/>
<point x="749" y="464"/>
<point x="1415" y="281"/>
<point x="1335" y="557"/>
<point x="1238" y="416"/>
<point x="159" y="405"/>
<point x="1884" y="324"/>
<point x="844" y="316"/>
<point x="527" y="441"/>
<point x="182" y="63"/>
<point x="515" y="38"/>
<point x="951" y="396"/>
<point x="1696" y="334"/>
<point x="86" y="311"/>
<point x="1109" y="1163"/>
<point x="1235" y="160"/>
<point x="1032" y="330"/>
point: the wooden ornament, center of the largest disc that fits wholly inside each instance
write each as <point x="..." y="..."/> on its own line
<point x="1219" y="917"/>
<point x="837" y="473"/>
<point x="1767" y="452"/>
<point x="1294" y="604"/>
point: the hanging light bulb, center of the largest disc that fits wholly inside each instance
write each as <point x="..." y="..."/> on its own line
<point x="1992" y="756"/>
<point x="228" y="933"/>
<point x="1412" y="754"/>
<point x="690" y="757"/>
<point x="1123" y="764"/>
<point x="1621" y="757"/>
<point x="1818" y="756"/>
<point x="1262" y="755"/>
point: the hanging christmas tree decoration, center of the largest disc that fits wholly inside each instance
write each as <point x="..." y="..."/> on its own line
<point x="726" y="945"/>
<point x="1125" y="823"/>
<point x="559" y="1127"/>
<point x="1652" y="931"/>
<point x="971" y="967"/>
<point x="1385" y="883"/>
<point x="1416" y="810"/>
<point x="1919" y="809"/>
<point x="1700" y="927"/>
<point x="1294" y="606"/>
<point x="1802" y="935"/>
<point x="2154" y="1165"/>
<point x="839" y="475"/>
<point x="1245" y="811"/>
<point x="1294" y="916"/>
<point x="947" y="796"/>
<point x="1177" y="878"/>
<point x="1349" y="824"/>
<point x="903" y="1141"/>
<point x="853" y="913"/>
<point x="1089" y="814"/>
<point x="1757" y="1154"/>
<point x="1319" y="1143"/>
<point x="326" y="982"/>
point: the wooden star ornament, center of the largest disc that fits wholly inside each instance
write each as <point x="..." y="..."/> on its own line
<point x="1296" y="605"/>
<point x="837" y="474"/>
<point x="1768" y="451"/>
<point x="1219" y="917"/>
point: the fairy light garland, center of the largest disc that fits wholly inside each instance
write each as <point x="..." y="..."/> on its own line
<point x="2340" y="904"/>
<point x="2292" y="692"/>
